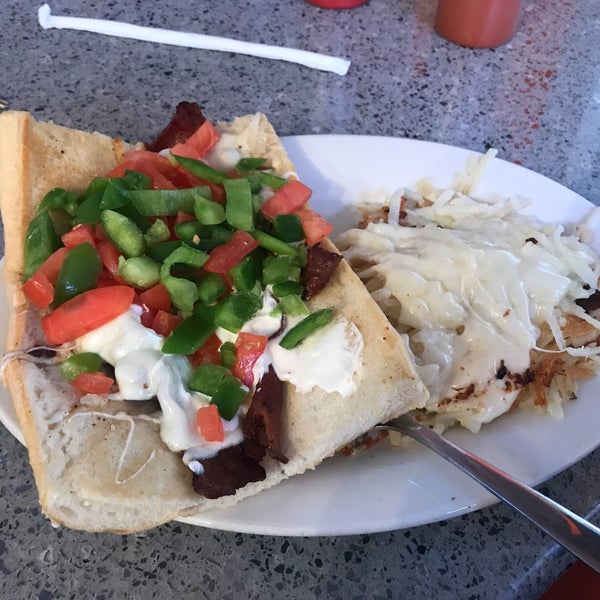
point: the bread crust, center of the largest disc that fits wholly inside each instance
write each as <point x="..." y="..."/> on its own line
<point x="107" y="469"/>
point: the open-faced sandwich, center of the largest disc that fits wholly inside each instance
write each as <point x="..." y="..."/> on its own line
<point x="182" y="332"/>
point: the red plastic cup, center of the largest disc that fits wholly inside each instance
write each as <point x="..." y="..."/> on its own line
<point x="337" y="3"/>
<point x="477" y="23"/>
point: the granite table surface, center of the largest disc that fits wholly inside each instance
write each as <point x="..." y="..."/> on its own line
<point x="536" y="99"/>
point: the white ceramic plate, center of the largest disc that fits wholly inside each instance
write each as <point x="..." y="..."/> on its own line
<point x="386" y="488"/>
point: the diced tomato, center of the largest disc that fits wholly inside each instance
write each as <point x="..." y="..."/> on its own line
<point x="227" y="255"/>
<point x="209" y="423"/>
<point x="51" y="266"/>
<point x="203" y="140"/>
<point x="85" y="312"/>
<point x="109" y="255"/>
<point x="78" y="235"/>
<point x="157" y="297"/>
<point x="99" y="233"/>
<point x="39" y="290"/>
<point x="208" y="352"/>
<point x="184" y="179"/>
<point x="181" y="178"/>
<point x="227" y="280"/>
<point x="93" y="383"/>
<point x="164" y="174"/>
<point x="217" y="192"/>
<point x="184" y="149"/>
<point x="171" y="221"/>
<point x="287" y="199"/>
<point x="248" y="349"/>
<point x="148" y="315"/>
<point x="120" y="169"/>
<point x="106" y="279"/>
<point x="183" y="218"/>
<point x="164" y="322"/>
<point x="150" y="163"/>
<point x="315" y="226"/>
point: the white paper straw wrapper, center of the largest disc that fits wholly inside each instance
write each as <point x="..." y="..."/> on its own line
<point x="313" y="60"/>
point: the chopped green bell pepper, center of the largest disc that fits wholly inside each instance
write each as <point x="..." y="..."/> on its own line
<point x="183" y="293"/>
<point x="98" y="184"/>
<point x="41" y="240"/>
<point x="191" y="231"/>
<point x="308" y="325"/>
<point x="83" y="362"/>
<point x="159" y="252"/>
<point x="272" y="181"/>
<point x="154" y="203"/>
<point x="59" y="199"/>
<point x="292" y="305"/>
<point x="280" y="290"/>
<point x="272" y="244"/>
<point x="237" y="309"/>
<point x="207" y="378"/>
<point x="247" y="272"/>
<point x="134" y="180"/>
<point x="227" y="351"/>
<point x="229" y="397"/>
<point x="210" y="288"/>
<point x="288" y="228"/>
<point x="78" y="273"/>
<point x="201" y="169"/>
<point x="227" y="391"/>
<point x="130" y="211"/>
<point x="157" y="233"/>
<point x="123" y="233"/>
<point x="89" y="210"/>
<point x="208" y="212"/>
<point x="249" y="164"/>
<point x="115" y="195"/>
<point x="239" y="210"/>
<point x="140" y="271"/>
<point x="191" y="333"/>
<point x="301" y="253"/>
<point x="276" y="269"/>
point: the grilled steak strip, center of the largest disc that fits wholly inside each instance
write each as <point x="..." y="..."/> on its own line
<point x="320" y="266"/>
<point x="186" y="120"/>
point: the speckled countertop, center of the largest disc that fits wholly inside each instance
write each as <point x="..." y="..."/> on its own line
<point x="536" y="100"/>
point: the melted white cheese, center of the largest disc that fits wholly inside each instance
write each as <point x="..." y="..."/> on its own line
<point x="227" y="152"/>
<point x="472" y="295"/>
<point x="142" y="371"/>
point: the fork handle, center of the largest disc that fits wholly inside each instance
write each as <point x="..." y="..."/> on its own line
<point x="575" y="534"/>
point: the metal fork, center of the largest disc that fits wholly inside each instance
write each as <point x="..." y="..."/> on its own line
<point x="572" y="532"/>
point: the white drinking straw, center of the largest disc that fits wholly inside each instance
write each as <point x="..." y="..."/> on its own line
<point x="313" y="60"/>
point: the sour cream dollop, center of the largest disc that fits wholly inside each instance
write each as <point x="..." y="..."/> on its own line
<point x="142" y="372"/>
<point x="330" y="358"/>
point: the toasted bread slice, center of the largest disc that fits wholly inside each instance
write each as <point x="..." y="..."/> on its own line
<point x="106" y="468"/>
